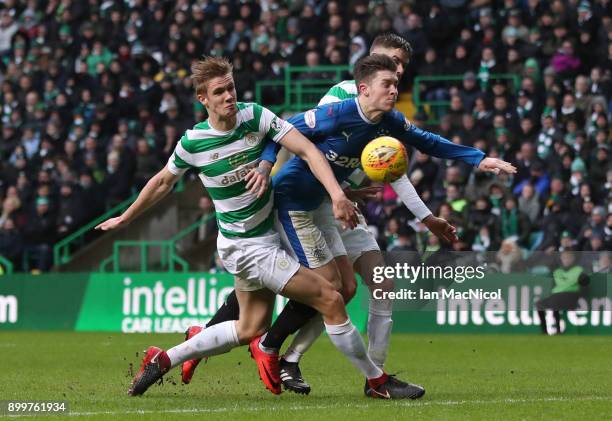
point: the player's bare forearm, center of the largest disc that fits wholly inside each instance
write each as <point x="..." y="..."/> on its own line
<point x="155" y="189"/>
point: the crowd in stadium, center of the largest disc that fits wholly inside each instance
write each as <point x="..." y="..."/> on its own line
<point x="96" y="94"/>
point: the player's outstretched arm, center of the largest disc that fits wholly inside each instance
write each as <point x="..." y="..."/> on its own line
<point x="411" y="199"/>
<point x="344" y="209"/>
<point x="440" y="147"/>
<point x="157" y="187"/>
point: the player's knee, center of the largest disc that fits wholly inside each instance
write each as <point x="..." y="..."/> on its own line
<point x="331" y="302"/>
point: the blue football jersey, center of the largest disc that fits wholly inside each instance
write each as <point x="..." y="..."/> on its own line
<point x="341" y="130"/>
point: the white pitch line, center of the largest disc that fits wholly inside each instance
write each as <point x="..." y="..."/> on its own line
<point x="405" y="404"/>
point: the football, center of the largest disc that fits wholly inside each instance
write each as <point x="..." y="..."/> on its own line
<point x="384" y="159"/>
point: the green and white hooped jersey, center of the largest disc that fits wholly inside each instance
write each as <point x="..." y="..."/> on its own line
<point x="346" y="89"/>
<point x="339" y="92"/>
<point x="223" y="159"/>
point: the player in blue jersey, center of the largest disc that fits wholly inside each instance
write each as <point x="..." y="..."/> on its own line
<point x="359" y="251"/>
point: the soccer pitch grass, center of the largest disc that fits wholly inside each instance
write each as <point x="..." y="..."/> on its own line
<point x="466" y="376"/>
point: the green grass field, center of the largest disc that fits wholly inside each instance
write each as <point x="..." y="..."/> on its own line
<point x="466" y="376"/>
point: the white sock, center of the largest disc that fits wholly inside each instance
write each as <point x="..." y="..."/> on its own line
<point x="348" y="340"/>
<point x="213" y="340"/>
<point x="379" y="330"/>
<point x="304" y="339"/>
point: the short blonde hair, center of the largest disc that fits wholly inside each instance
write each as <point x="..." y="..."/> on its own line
<point x="206" y="69"/>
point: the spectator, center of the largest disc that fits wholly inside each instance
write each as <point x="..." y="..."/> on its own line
<point x="585" y="195"/>
<point x="483" y="241"/>
<point x="358" y="49"/>
<point x="11" y="240"/>
<point x="582" y="95"/>
<point x="117" y="181"/>
<point x="599" y="167"/>
<point x="437" y="26"/>
<point x="312" y="60"/>
<point x="8" y="28"/>
<point x="525" y="157"/>
<point x="596" y="223"/>
<point x="565" y="62"/>
<point x="509" y="256"/>
<point x="391" y="233"/>
<point x="480" y="216"/>
<point x="525" y="106"/>
<point x="70" y="210"/>
<point x="40" y="235"/>
<point x="400" y="22"/>
<point x="415" y="35"/>
<point x="514" y="223"/>
<point x="455" y="198"/>
<point x="380" y="21"/>
<point x="488" y="66"/>
<point x="529" y="203"/>
<point x="538" y="178"/>
<point x="455" y="112"/>
<point x="12" y="207"/>
<point x="146" y="164"/>
<point x="469" y="90"/>
<point x="547" y="136"/>
<point x="433" y="91"/>
<point x="92" y="194"/>
<point x="482" y="113"/>
<point x="595" y="243"/>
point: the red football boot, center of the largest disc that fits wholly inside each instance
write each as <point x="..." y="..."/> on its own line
<point x="154" y="365"/>
<point x="188" y="367"/>
<point x="268" y="366"/>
